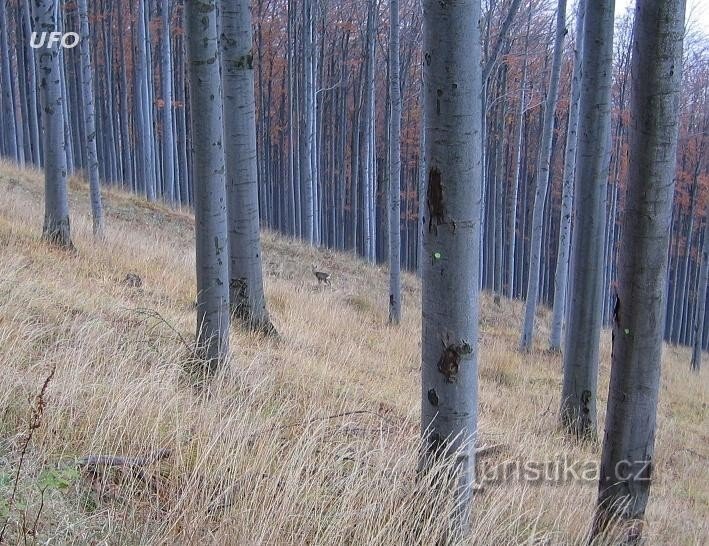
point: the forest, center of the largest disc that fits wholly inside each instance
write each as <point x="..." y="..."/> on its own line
<point x="354" y="272"/>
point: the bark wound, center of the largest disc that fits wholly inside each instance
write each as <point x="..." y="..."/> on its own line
<point x="433" y="397"/>
<point x="449" y="362"/>
<point x="434" y="200"/>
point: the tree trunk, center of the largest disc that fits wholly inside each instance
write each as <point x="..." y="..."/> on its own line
<point x="517" y="182"/>
<point x="56" y="207"/>
<point x="248" y="301"/>
<point x="581" y="353"/>
<point x="638" y="322"/>
<point x="567" y="197"/>
<point x="307" y="163"/>
<point x="8" y="102"/>
<point x="87" y="90"/>
<point x="543" y="174"/>
<point x="394" y="168"/>
<point x="700" y="310"/>
<point x="168" y="145"/>
<point x="212" y="250"/>
<point x="453" y="113"/>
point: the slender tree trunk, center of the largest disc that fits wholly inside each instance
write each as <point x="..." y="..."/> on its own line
<point x="56" y="207"/>
<point x="567" y="196"/>
<point x="145" y="166"/>
<point x="629" y="441"/>
<point x="309" y="140"/>
<point x="248" y="301"/>
<point x="212" y="248"/>
<point x="32" y="85"/>
<point x="87" y="90"/>
<point x="516" y="183"/>
<point x="581" y="352"/>
<point x="8" y="102"/>
<point x="168" y="145"/>
<point x="700" y="310"/>
<point x="394" y="167"/>
<point x="543" y="174"/>
<point x="453" y="88"/>
<point x="367" y="171"/>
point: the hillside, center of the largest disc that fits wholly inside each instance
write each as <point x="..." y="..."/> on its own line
<point x="307" y="439"/>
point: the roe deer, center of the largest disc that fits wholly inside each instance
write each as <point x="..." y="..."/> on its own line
<point x="323" y="278"/>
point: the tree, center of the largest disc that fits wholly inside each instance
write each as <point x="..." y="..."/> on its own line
<point x="144" y="111"/>
<point x="700" y="310"/>
<point x="453" y="110"/>
<point x="567" y="197"/>
<point x="394" y="167"/>
<point x="638" y="319"/>
<point x="8" y="102"/>
<point x="87" y="90"/>
<point x="578" y="398"/>
<point x="246" y="293"/>
<point x="168" y="142"/>
<point x="309" y="140"/>
<point x="543" y="174"/>
<point x="212" y="250"/>
<point x="56" y="228"/>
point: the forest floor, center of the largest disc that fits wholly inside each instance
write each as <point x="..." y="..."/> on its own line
<point x="308" y="439"/>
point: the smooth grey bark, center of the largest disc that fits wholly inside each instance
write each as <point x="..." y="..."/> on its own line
<point x="309" y="140"/>
<point x="542" y="182"/>
<point x="567" y="192"/>
<point x="422" y="189"/>
<point x="683" y="293"/>
<point x="584" y="317"/>
<point x="367" y="127"/>
<point x="56" y="228"/>
<point x="638" y="319"/>
<point x="144" y="155"/>
<point x="32" y="105"/>
<point x="516" y="183"/>
<point x="8" y="102"/>
<point x="246" y="292"/>
<point x="453" y="114"/>
<point x="87" y="90"/>
<point x="700" y="310"/>
<point x="212" y="245"/>
<point x="394" y="167"/>
<point x="168" y="144"/>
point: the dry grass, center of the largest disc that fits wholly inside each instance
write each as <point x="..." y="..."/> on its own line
<point x="259" y="459"/>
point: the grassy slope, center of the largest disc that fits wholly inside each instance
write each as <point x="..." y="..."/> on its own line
<point x="261" y="441"/>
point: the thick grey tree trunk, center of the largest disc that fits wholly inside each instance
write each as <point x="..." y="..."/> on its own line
<point x="567" y="192"/>
<point x="700" y="310"/>
<point x="394" y="167"/>
<point x="453" y="113"/>
<point x="212" y="245"/>
<point x="168" y="144"/>
<point x="542" y="183"/>
<point x="87" y="90"/>
<point x="56" y="228"/>
<point x="248" y="301"/>
<point x="638" y="319"/>
<point x="584" y="316"/>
